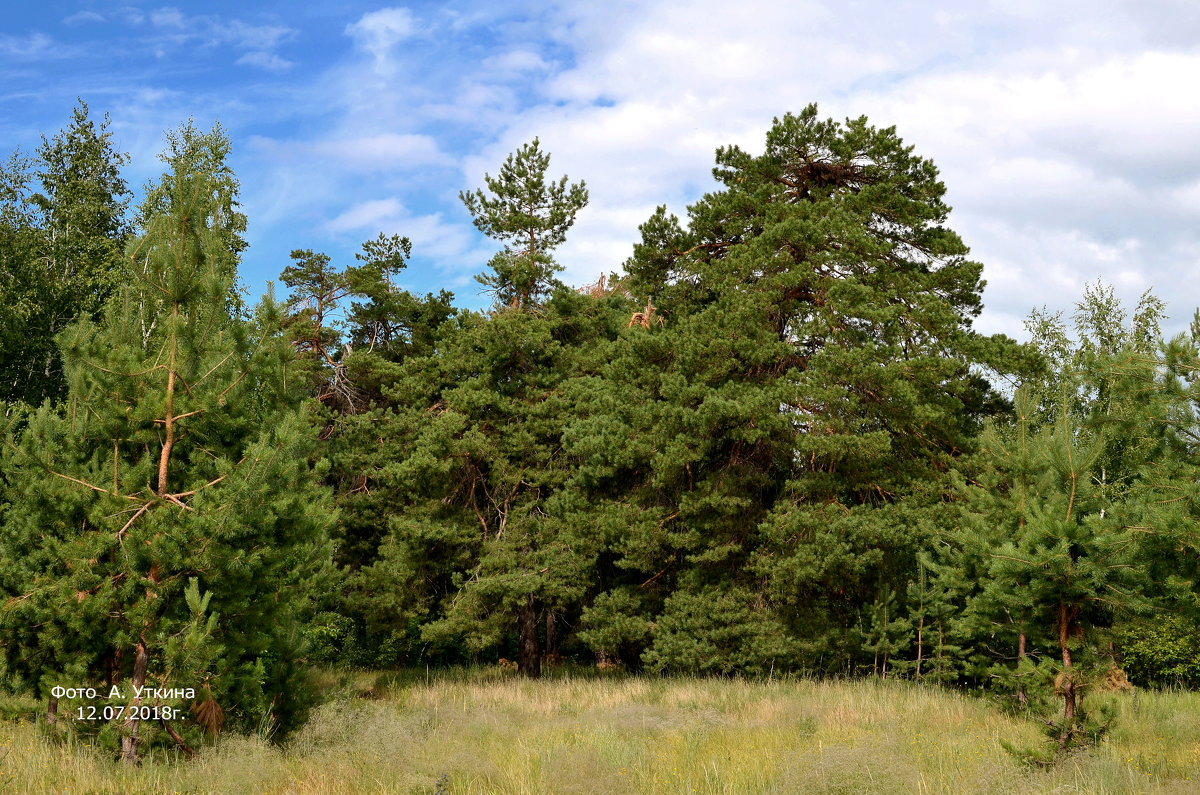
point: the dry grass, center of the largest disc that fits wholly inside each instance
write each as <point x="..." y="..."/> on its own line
<point x="488" y="732"/>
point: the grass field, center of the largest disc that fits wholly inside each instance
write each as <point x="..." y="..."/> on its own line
<point x="486" y="731"/>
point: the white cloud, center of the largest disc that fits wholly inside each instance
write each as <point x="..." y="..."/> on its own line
<point x="33" y="46"/>
<point x="210" y="30"/>
<point x="368" y="215"/>
<point x="167" y="18"/>
<point x="365" y="153"/>
<point x="512" y="63"/>
<point x="266" y="60"/>
<point x="82" y="17"/>
<point x="257" y="37"/>
<point x="1065" y="133"/>
<point x="385" y="151"/>
<point x="379" y="31"/>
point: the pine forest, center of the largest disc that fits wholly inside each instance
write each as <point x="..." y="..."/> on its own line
<point x="770" y="446"/>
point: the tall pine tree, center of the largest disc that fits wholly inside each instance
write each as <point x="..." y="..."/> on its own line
<point x="793" y="419"/>
<point x="177" y="466"/>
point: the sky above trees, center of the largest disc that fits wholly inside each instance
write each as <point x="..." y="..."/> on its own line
<point x="1065" y="132"/>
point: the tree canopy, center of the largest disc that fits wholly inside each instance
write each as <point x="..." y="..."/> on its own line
<point x="774" y="442"/>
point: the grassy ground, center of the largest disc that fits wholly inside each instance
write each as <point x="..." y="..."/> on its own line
<point x="487" y="732"/>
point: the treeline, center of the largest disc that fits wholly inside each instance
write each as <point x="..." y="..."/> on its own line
<point x="772" y="443"/>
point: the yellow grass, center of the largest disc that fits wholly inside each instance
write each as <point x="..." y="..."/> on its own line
<point x="488" y="732"/>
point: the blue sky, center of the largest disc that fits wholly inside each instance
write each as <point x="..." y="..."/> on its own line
<point x="1065" y="131"/>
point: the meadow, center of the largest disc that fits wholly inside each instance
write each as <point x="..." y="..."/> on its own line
<point x="486" y="731"/>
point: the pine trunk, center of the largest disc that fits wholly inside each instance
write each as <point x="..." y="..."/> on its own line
<point x="1022" y="699"/>
<point x="529" y="660"/>
<point x="129" y="742"/>
<point x="920" y="633"/>
<point x="551" y="632"/>
<point x="1068" y="677"/>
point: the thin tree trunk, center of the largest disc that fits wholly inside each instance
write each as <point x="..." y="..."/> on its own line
<point x="529" y="658"/>
<point x="920" y="630"/>
<point x="551" y="631"/>
<point x="52" y="711"/>
<point x="1068" y="678"/>
<point x="1022" y="699"/>
<point x="941" y="645"/>
<point x="114" y="667"/>
<point x="169" y="440"/>
<point x="164" y="458"/>
<point x="129" y="741"/>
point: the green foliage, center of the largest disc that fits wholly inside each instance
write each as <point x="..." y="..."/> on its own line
<point x="191" y="150"/>
<point x="391" y="324"/>
<point x="62" y="233"/>
<point x="1062" y="738"/>
<point x="169" y="527"/>
<point x="531" y="216"/>
<point x="1061" y="559"/>
<point x="718" y="632"/>
<point x="888" y="632"/>
<point x="771" y="446"/>
<point x="786" y="432"/>
<point x="489" y="468"/>
<point x="1162" y="650"/>
<point x="615" y="624"/>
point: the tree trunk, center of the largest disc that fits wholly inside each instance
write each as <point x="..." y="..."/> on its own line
<point x="1068" y="676"/>
<point x="941" y="645"/>
<point x="529" y="658"/>
<point x="114" y="668"/>
<point x="551" y="632"/>
<point x="52" y="711"/>
<point x="1022" y="699"/>
<point x="129" y="741"/>
<point x="920" y="633"/>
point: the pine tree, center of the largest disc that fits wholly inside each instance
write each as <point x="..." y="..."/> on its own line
<point x="491" y="459"/>
<point x="1062" y="556"/>
<point x="792" y="421"/>
<point x="315" y="326"/>
<point x="486" y="537"/>
<point x="169" y="524"/>
<point x="531" y="217"/>
<point x="190" y="150"/>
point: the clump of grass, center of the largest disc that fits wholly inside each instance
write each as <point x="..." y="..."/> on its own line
<point x="487" y="732"/>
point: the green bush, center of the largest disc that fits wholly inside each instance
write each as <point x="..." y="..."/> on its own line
<point x="1164" y="650"/>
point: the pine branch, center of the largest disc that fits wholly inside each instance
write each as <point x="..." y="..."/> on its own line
<point x="90" y="485"/>
<point x="132" y="519"/>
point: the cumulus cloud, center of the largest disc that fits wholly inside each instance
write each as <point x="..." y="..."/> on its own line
<point x="1065" y="133"/>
